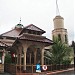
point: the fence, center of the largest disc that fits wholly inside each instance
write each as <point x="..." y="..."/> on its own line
<point x="13" y="69"/>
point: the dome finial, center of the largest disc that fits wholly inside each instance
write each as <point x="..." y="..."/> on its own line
<point x="19" y="25"/>
<point x="20" y="21"/>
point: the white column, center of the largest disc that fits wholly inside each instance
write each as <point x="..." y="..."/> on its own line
<point x="25" y="49"/>
<point x="25" y="45"/>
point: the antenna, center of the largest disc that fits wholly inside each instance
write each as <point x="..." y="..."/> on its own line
<point x="57" y="9"/>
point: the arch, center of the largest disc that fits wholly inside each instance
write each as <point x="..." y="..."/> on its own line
<point x="33" y="54"/>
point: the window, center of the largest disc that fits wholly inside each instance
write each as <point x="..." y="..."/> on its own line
<point x="59" y="37"/>
<point x="66" y="41"/>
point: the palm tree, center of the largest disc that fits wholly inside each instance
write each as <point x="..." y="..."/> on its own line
<point x="58" y="52"/>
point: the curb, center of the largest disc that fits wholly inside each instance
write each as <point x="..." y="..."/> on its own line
<point x="49" y="73"/>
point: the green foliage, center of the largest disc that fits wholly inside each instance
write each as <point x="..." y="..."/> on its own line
<point x="59" y="52"/>
<point x="8" y="58"/>
<point x="66" y="62"/>
<point x="1" y="54"/>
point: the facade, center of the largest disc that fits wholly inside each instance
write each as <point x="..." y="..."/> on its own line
<point x="26" y="45"/>
<point x="59" y="31"/>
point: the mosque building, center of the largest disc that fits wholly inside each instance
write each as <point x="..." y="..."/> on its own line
<point x="27" y="44"/>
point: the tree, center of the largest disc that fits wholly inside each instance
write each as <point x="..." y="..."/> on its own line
<point x="58" y="53"/>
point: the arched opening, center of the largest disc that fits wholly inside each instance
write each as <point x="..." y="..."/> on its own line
<point x="33" y="55"/>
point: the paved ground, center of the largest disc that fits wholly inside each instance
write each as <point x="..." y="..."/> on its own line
<point x="5" y="74"/>
<point x="66" y="73"/>
<point x="62" y="72"/>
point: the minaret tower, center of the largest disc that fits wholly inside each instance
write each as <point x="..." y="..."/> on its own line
<point x="59" y="31"/>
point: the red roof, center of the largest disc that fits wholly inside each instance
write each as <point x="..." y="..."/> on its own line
<point x="16" y="32"/>
<point x="34" y="28"/>
<point x="37" y="38"/>
<point x="20" y="33"/>
<point x="12" y="33"/>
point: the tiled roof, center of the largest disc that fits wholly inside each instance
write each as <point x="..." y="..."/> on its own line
<point x="36" y="38"/>
<point x="12" y="33"/>
<point x="16" y="32"/>
<point x="33" y="27"/>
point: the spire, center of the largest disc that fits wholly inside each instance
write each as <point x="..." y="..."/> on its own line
<point x="20" y="21"/>
<point x="57" y="9"/>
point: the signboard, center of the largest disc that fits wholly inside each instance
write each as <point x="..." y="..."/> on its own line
<point x="44" y="67"/>
<point x="38" y="68"/>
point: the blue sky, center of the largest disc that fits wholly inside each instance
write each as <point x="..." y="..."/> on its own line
<point x="37" y="12"/>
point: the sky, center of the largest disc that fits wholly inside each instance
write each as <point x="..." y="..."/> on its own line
<point x="37" y="12"/>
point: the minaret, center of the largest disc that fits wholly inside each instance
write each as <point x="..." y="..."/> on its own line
<point x="59" y="31"/>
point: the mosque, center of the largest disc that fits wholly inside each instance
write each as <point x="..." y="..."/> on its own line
<point x="26" y="45"/>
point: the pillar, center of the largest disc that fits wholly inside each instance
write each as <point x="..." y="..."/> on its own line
<point x="20" y="58"/>
<point x="25" y="45"/>
<point x="42" y="56"/>
<point x="30" y="58"/>
<point x="25" y="50"/>
<point x="35" y="56"/>
<point x="3" y="57"/>
<point x="19" y="55"/>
